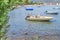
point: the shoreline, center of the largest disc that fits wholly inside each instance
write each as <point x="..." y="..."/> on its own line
<point x="36" y="37"/>
<point x="36" y="5"/>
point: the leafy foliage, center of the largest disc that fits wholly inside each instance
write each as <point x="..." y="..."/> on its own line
<point x="5" y="5"/>
<point x="3" y="15"/>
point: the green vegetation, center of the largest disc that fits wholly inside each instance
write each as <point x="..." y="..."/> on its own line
<point x="3" y="17"/>
<point x="5" y="6"/>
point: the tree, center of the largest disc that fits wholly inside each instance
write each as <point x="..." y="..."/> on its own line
<point x="4" y="9"/>
<point x="25" y="1"/>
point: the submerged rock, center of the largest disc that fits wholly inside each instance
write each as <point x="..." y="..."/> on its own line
<point x="25" y="33"/>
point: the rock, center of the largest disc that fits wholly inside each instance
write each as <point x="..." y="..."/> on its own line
<point x="25" y="33"/>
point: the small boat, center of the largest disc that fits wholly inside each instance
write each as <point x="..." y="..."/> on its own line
<point x="56" y="8"/>
<point x="29" y="8"/>
<point x="52" y="12"/>
<point x="38" y="18"/>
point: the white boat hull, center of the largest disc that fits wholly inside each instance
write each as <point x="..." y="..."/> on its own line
<point x="41" y="18"/>
<point x="51" y="12"/>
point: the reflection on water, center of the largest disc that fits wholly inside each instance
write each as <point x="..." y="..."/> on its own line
<point x="18" y="24"/>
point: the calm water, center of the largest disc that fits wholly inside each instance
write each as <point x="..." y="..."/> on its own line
<point x="18" y="24"/>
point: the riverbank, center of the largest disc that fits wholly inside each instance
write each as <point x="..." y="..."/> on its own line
<point x="44" y="4"/>
<point x="36" y="5"/>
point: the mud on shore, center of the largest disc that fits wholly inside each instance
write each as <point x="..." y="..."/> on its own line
<point x="36" y="37"/>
